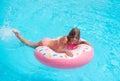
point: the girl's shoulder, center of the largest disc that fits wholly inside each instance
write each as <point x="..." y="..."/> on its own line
<point x="63" y="39"/>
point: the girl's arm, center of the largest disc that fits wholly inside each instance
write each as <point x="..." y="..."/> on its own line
<point x="85" y="42"/>
<point x="22" y="39"/>
<point x="60" y="49"/>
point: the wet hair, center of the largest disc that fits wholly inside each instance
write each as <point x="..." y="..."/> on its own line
<point x="73" y="32"/>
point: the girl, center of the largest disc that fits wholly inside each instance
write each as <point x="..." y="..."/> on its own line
<point x="61" y="45"/>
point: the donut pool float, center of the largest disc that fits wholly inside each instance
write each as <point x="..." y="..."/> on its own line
<point x="81" y="56"/>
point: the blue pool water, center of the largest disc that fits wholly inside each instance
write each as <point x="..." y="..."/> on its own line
<point x="98" y="20"/>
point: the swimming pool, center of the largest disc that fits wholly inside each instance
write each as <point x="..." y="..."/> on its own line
<point x="98" y="20"/>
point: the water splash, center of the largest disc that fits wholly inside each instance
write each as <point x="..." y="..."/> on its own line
<point x="8" y="39"/>
<point x="5" y="34"/>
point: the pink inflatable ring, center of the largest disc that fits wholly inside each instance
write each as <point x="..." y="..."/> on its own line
<point x="81" y="56"/>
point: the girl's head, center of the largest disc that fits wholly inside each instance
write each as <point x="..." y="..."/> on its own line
<point x="74" y="36"/>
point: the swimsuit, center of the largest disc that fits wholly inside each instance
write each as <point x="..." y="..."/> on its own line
<point x="71" y="46"/>
<point x="46" y="42"/>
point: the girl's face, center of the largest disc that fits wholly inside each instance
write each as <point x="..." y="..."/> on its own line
<point x="73" y="36"/>
<point x="74" y="39"/>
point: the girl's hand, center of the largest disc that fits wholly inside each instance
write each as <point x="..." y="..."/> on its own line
<point x="69" y="53"/>
<point x="16" y="32"/>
